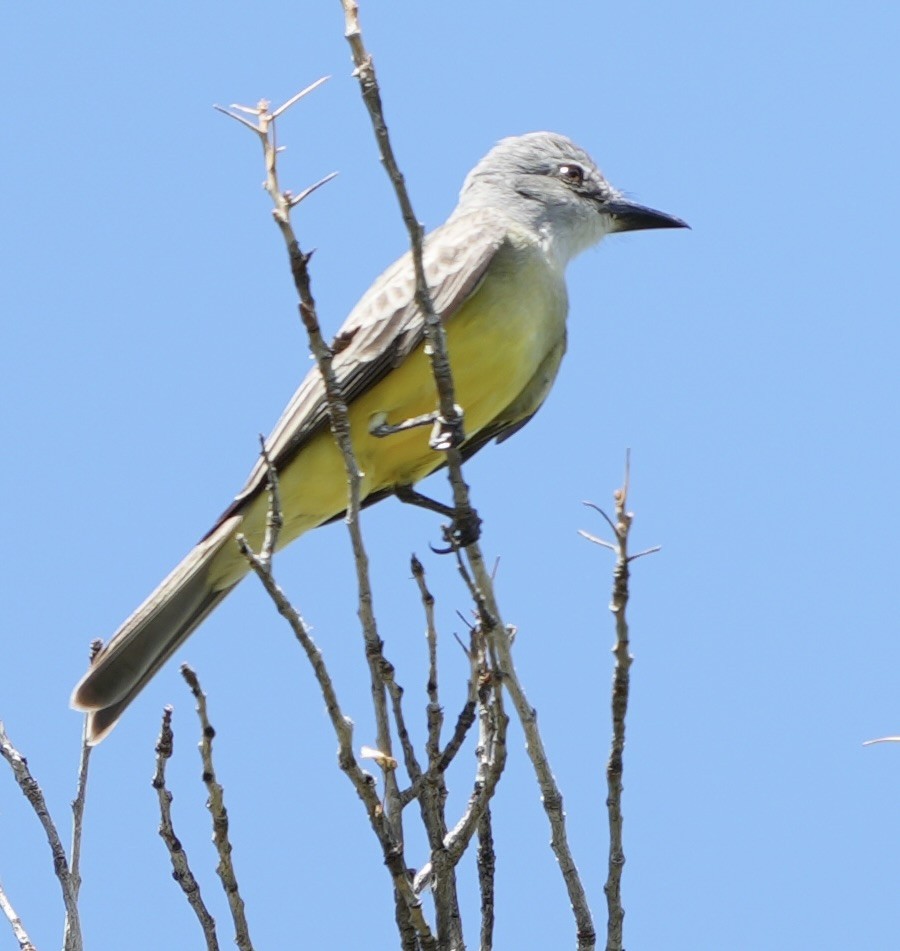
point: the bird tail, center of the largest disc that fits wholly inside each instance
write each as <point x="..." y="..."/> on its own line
<point x="151" y="635"/>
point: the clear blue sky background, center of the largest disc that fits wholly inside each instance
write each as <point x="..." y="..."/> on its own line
<point x="149" y="334"/>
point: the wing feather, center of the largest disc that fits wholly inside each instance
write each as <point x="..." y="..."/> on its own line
<point x="384" y="328"/>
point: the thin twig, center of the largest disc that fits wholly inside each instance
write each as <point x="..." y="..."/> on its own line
<point x="295" y="200"/>
<point x="596" y="508"/>
<point x="487" y="862"/>
<point x="621" y="527"/>
<point x="16" y="923"/>
<point x="78" y="803"/>
<point x="181" y="869"/>
<point x="274" y="515"/>
<point x="283" y="203"/>
<point x="614" y="766"/>
<point x="78" y="819"/>
<point x="434" y="330"/>
<point x="437" y="350"/>
<point x="216" y="806"/>
<point x="35" y="796"/>
<point x="434" y="712"/>
<point x="395" y="692"/>
<point x="295" y="99"/>
<point x="464" y="723"/>
<point x="478" y="673"/>
<point x="490" y="754"/>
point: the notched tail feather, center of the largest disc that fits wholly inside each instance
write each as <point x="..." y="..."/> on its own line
<point x="101" y="719"/>
<point x="150" y="636"/>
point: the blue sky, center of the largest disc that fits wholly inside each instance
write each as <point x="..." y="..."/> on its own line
<point x="751" y="365"/>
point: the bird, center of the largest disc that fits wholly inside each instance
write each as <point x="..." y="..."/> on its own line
<point x="496" y="273"/>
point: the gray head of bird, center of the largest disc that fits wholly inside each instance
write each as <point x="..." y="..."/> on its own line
<point x="547" y="183"/>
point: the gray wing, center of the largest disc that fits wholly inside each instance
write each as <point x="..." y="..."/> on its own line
<point x="384" y="328"/>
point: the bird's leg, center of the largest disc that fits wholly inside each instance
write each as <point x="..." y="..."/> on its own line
<point x="464" y="528"/>
<point x="445" y="434"/>
<point x="407" y="494"/>
<point x="380" y="428"/>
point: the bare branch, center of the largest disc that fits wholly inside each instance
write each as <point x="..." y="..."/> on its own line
<point x="395" y="691"/>
<point x="482" y="587"/>
<point x="274" y="515"/>
<point x="216" y="805"/>
<point x="596" y="540"/>
<point x="16" y="923"/>
<point x="478" y="673"/>
<point x="464" y="723"/>
<point x="78" y="802"/>
<point x="487" y="862"/>
<point x="295" y="99"/>
<point x="490" y="755"/>
<point x="614" y="766"/>
<point x="295" y="200"/>
<point x="620" y="690"/>
<point x="78" y="818"/>
<point x="231" y="115"/>
<point x="435" y="714"/>
<point x="35" y="796"/>
<point x="181" y="870"/>
<point x="434" y="331"/>
<point x="596" y="508"/>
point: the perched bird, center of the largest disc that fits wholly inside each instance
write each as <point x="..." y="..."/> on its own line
<point x="496" y="271"/>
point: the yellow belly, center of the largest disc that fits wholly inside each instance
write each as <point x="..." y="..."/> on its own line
<point x="497" y="341"/>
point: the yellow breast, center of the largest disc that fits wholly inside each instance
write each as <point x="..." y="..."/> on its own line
<point x="496" y="342"/>
<point x="505" y="334"/>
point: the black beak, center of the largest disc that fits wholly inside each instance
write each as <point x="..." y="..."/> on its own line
<point x="628" y="216"/>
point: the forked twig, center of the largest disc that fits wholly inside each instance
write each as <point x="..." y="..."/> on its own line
<point x="35" y="796"/>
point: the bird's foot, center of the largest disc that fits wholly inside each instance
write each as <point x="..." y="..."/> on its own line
<point x="464" y="527"/>
<point x="447" y="433"/>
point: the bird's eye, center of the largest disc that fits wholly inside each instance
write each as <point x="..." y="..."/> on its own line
<point x="572" y="174"/>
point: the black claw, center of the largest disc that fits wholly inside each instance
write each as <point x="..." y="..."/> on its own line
<point x="464" y="530"/>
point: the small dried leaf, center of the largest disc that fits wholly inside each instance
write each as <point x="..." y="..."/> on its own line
<point x="384" y="761"/>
